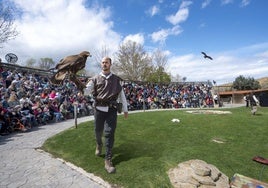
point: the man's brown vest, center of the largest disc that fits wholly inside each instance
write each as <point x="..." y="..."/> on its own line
<point x="106" y="90"/>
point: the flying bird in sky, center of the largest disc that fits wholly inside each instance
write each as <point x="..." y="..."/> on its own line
<point x="206" y="56"/>
<point x="69" y="66"/>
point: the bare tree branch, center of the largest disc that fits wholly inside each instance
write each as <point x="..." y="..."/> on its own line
<point x="7" y="28"/>
<point x="133" y="62"/>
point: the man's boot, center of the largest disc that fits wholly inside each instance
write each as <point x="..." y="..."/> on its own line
<point x="109" y="166"/>
<point x="98" y="150"/>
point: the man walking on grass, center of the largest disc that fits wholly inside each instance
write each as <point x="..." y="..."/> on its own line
<point x="107" y="93"/>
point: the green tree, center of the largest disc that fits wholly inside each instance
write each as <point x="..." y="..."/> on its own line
<point x="243" y="83"/>
<point x="30" y="63"/>
<point x="46" y="63"/>
<point x="82" y="72"/>
<point x="159" y="73"/>
<point x="133" y="62"/>
<point x="159" y="76"/>
<point x="7" y="28"/>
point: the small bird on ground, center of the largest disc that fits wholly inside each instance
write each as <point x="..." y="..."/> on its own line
<point x="175" y="120"/>
<point x="70" y="65"/>
<point x="206" y="56"/>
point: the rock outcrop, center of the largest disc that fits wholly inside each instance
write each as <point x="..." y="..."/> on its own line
<point x="197" y="174"/>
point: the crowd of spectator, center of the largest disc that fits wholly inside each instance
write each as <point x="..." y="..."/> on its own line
<point x="29" y="100"/>
<point x="174" y="95"/>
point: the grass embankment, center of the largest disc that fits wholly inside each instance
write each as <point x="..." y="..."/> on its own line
<point x="148" y="144"/>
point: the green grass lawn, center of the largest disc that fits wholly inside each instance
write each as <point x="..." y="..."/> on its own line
<point x="148" y="144"/>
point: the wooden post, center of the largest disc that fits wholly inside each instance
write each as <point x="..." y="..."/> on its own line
<point x="75" y="113"/>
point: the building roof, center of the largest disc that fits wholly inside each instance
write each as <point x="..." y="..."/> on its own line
<point x="240" y="92"/>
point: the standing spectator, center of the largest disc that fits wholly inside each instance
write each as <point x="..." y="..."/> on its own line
<point x="246" y="99"/>
<point x="215" y="97"/>
<point x="253" y="103"/>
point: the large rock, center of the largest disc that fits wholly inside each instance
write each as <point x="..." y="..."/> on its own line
<point x="197" y="174"/>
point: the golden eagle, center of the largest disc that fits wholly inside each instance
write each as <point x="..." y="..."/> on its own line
<point x="206" y="56"/>
<point x="70" y="65"/>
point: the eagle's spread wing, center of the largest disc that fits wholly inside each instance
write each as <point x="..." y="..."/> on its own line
<point x="69" y="65"/>
<point x="206" y="56"/>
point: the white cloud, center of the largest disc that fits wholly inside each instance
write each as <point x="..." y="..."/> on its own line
<point x="185" y="4"/>
<point x="161" y="35"/>
<point x="225" y="2"/>
<point x="153" y="10"/>
<point x="181" y="15"/>
<point x="58" y="28"/>
<point x="225" y="67"/>
<point x="138" y="38"/>
<point x="244" y="3"/>
<point x="263" y="54"/>
<point x="205" y="3"/>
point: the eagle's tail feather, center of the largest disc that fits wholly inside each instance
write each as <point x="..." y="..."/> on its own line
<point x="58" y="78"/>
<point x="80" y="86"/>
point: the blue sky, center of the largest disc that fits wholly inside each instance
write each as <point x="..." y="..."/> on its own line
<point x="233" y="32"/>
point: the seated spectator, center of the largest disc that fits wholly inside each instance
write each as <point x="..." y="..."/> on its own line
<point x="46" y="112"/>
<point x="27" y="112"/>
<point x="37" y="108"/>
<point x="25" y="99"/>
<point x="2" y="81"/>
<point x="70" y="108"/>
<point x="64" y="110"/>
<point x="13" y="100"/>
<point x="52" y="94"/>
<point x="12" y="87"/>
<point x="16" y="119"/>
<point x="5" y="101"/>
<point x="21" y="92"/>
<point x="9" y="79"/>
<point x="55" y="111"/>
<point x="44" y="94"/>
<point x="4" y="121"/>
